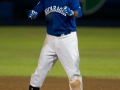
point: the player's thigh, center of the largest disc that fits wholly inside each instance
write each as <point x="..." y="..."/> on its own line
<point x="68" y="50"/>
<point x="47" y="57"/>
<point x="69" y="54"/>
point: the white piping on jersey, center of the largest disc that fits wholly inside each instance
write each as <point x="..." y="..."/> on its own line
<point x="54" y="9"/>
<point x="38" y="3"/>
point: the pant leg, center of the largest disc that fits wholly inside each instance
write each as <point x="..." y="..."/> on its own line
<point x="69" y="57"/>
<point x="47" y="59"/>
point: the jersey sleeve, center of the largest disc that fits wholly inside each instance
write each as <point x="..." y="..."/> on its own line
<point x="75" y="6"/>
<point x="39" y="7"/>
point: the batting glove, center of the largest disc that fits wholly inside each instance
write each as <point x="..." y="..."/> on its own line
<point x="32" y="14"/>
<point x="67" y="11"/>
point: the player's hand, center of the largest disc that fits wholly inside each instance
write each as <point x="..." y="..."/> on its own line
<point x="32" y="14"/>
<point x="67" y="11"/>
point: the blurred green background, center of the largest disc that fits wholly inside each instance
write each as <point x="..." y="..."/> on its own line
<point x="99" y="51"/>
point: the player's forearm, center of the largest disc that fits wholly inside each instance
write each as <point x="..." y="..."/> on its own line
<point x="39" y="7"/>
<point x="77" y="13"/>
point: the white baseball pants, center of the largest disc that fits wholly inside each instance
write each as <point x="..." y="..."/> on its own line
<point x="64" y="48"/>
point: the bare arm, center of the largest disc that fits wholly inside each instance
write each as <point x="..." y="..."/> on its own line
<point x="75" y="14"/>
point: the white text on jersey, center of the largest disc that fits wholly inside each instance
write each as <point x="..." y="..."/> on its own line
<point x="54" y="9"/>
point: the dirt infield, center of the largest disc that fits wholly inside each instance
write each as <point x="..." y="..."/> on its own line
<point x="22" y="83"/>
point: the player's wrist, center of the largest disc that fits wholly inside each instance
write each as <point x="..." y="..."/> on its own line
<point x="75" y="14"/>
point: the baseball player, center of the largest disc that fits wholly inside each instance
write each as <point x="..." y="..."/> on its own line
<point x="60" y="43"/>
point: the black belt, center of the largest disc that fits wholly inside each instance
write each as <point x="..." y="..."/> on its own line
<point x="66" y="33"/>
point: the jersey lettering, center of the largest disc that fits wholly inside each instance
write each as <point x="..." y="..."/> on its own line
<point x="54" y="9"/>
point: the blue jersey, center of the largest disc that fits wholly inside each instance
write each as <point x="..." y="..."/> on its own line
<point x="57" y="21"/>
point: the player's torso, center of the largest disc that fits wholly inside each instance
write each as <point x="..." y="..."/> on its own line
<point x="57" y="21"/>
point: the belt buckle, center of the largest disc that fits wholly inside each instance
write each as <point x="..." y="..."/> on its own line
<point x="65" y="33"/>
<point x="62" y="34"/>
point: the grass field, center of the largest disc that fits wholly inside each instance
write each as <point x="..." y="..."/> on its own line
<point x="99" y="51"/>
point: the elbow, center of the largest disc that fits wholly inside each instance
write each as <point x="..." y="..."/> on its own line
<point x="80" y="15"/>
